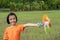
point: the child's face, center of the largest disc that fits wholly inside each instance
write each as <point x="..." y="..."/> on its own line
<point x="12" y="20"/>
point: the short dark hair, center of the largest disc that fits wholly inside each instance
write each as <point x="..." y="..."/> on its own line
<point x="10" y="15"/>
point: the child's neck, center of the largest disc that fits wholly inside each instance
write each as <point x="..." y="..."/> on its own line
<point x="13" y="25"/>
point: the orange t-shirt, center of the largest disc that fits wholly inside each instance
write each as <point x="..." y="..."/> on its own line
<point x="13" y="33"/>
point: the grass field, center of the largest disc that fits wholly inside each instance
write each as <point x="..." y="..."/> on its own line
<point x="34" y="33"/>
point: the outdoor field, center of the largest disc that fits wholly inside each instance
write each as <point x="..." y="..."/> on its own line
<point x="34" y="33"/>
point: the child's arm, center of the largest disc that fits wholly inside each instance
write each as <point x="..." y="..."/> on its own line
<point x="5" y="35"/>
<point x="22" y="27"/>
<point x="31" y="24"/>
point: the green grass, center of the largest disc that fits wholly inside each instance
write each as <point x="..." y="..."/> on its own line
<point x="34" y="33"/>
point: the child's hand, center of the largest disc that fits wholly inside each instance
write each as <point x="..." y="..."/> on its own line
<point x="38" y="24"/>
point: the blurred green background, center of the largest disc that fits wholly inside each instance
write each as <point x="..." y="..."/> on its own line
<point x="29" y="5"/>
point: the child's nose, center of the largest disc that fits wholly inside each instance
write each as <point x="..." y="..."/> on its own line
<point x="12" y="19"/>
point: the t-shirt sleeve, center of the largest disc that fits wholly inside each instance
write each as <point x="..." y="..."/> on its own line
<point x="21" y="27"/>
<point x="5" y="37"/>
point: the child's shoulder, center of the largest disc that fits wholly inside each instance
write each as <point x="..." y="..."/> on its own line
<point x="20" y="24"/>
<point x="8" y="28"/>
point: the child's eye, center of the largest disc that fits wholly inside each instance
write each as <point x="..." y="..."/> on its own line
<point x="10" y="19"/>
<point x="14" y="18"/>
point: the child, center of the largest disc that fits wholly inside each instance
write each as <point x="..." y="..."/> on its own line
<point x="13" y="32"/>
<point x="46" y="22"/>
